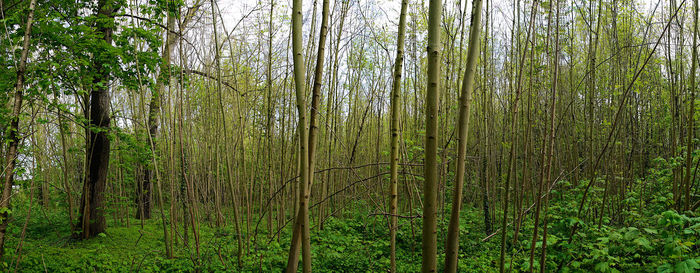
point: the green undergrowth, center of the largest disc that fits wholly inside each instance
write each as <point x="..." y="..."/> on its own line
<point x="643" y="237"/>
<point x="357" y="243"/>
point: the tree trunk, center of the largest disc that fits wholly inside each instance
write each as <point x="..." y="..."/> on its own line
<point x="316" y="95"/>
<point x="13" y="132"/>
<point x="465" y="101"/>
<point x="395" y="100"/>
<point x="430" y="186"/>
<point x="92" y="219"/>
<point x="691" y="112"/>
<point x="162" y="80"/>
<point x="300" y="235"/>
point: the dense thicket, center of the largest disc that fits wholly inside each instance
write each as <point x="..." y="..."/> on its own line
<point x="523" y="135"/>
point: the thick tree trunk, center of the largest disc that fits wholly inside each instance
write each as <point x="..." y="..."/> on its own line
<point x="92" y="219"/>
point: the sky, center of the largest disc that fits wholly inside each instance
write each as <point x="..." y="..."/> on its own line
<point x="234" y="10"/>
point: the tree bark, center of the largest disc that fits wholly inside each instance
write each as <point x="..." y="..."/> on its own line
<point x="300" y="235"/>
<point x="92" y="221"/>
<point x="162" y="80"/>
<point x="395" y="101"/>
<point x="430" y="186"/>
<point x="691" y="112"/>
<point x="13" y="132"/>
<point x="452" y="247"/>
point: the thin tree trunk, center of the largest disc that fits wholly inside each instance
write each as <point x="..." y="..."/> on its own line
<point x="452" y="247"/>
<point x="64" y="157"/>
<point x="187" y="189"/>
<point x="395" y="101"/>
<point x="514" y="114"/>
<point x="300" y="235"/>
<point x="13" y="132"/>
<point x="550" y="137"/>
<point x="316" y="95"/>
<point x="430" y="186"/>
<point x="162" y="80"/>
<point x="268" y="130"/>
<point x="691" y="111"/>
<point x="543" y="158"/>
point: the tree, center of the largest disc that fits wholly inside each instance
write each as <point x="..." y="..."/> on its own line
<point x="452" y="242"/>
<point x="513" y="121"/>
<point x="92" y="221"/>
<point x="162" y="80"/>
<point x="394" y="157"/>
<point x="549" y="148"/>
<point x="13" y="130"/>
<point x="300" y="235"/>
<point x="691" y="111"/>
<point x="430" y="186"/>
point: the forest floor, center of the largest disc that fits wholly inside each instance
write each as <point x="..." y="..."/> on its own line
<point x="644" y="237"/>
<point x="355" y="244"/>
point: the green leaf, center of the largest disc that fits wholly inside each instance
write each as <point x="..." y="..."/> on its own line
<point x="644" y="243"/>
<point x="665" y="268"/>
<point x="5" y="210"/>
<point x="687" y="266"/>
<point x="602" y="267"/>
<point x="631" y="234"/>
<point x="651" y="230"/>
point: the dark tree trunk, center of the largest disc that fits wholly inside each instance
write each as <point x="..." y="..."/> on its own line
<point x="143" y="201"/>
<point x="92" y="220"/>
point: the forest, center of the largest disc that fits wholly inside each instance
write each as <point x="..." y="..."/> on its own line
<point x="349" y="136"/>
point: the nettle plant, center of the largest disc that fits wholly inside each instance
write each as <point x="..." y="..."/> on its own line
<point x="678" y="237"/>
<point x="669" y="245"/>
